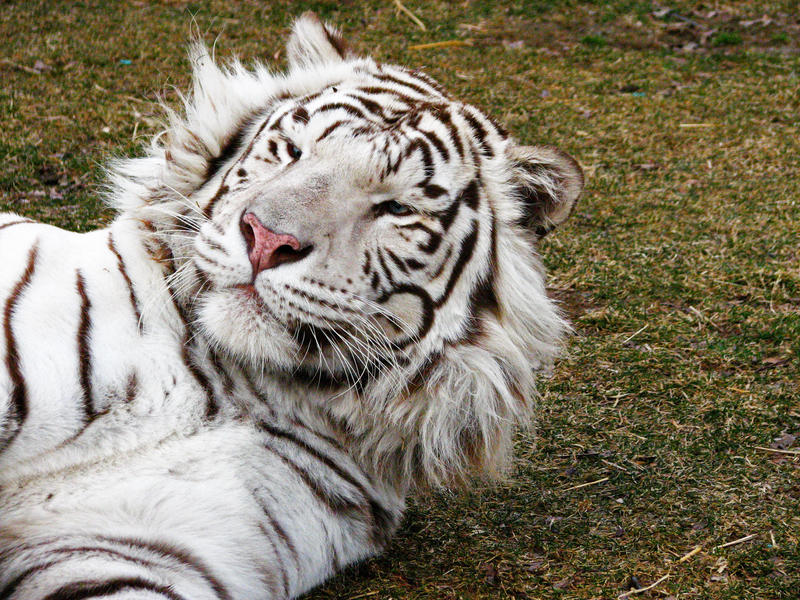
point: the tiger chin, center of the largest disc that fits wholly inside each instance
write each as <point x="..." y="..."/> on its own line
<point x="320" y="293"/>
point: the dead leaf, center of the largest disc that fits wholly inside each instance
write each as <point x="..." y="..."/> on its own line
<point x="783" y="442"/>
<point x="772" y="362"/>
<point x="563" y="584"/>
<point x="491" y="576"/>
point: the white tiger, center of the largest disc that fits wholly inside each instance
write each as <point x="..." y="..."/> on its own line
<point x="320" y="292"/>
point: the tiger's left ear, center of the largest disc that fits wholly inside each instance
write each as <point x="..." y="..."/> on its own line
<point x="547" y="182"/>
<point x="314" y="43"/>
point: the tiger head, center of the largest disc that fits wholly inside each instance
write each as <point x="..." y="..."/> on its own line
<point x="352" y="230"/>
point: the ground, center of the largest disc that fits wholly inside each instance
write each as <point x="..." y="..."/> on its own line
<point x="664" y="451"/>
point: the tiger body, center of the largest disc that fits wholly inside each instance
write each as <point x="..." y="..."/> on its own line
<point x="321" y="292"/>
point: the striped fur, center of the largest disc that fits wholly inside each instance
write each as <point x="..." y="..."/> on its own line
<point x="175" y="425"/>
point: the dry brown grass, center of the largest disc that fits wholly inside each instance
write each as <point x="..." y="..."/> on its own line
<point x="679" y="267"/>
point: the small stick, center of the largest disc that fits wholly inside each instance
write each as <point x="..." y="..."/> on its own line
<point x="741" y="540"/>
<point x="10" y="63"/>
<point x="410" y="15"/>
<point x="615" y="465"/>
<point x="644" y="589"/>
<point x="583" y="485"/>
<point x="689" y="555"/>
<point x="445" y="44"/>
<point x="363" y="595"/>
<point x="778" y="451"/>
<point x="630" y="337"/>
<point x="695" y="125"/>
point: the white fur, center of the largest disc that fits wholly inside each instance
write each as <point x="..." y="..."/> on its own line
<point x="202" y="465"/>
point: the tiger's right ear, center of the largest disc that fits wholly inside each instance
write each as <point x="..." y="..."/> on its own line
<point x="314" y="43"/>
<point x="547" y="182"/>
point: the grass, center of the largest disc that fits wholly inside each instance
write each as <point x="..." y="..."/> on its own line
<point x="679" y="267"/>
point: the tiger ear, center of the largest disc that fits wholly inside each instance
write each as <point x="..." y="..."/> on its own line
<point x="547" y="183"/>
<point x="313" y="43"/>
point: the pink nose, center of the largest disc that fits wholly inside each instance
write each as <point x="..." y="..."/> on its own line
<point x="267" y="249"/>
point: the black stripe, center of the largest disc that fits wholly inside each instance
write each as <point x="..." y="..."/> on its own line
<point x="397" y="81"/>
<point x="376" y="90"/>
<point x="427" y="158"/>
<point x="212" y="408"/>
<point x="438" y="143"/>
<point x="327" y="438"/>
<point x="219" y="367"/>
<point x="427" y="310"/>
<point x="300" y="114"/>
<point x="231" y="146"/>
<point x="387" y="273"/>
<point x="280" y="566"/>
<point x="223" y="189"/>
<point x="132" y="388"/>
<point x="330" y="129"/>
<point x="447" y="217"/>
<point x="371" y="106"/>
<point x="335" y="504"/>
<point x="442" y="265"/>
<point x="381" y="518"/>
<point x="480" y="133"/>
<point x="469" y="195"/>
<point x="464" y="255"/>
<point x="19" y="394"/>
<point x="273" y="522"/>
<point x="336" y="563"/>
<point x="434" y="238"/>
<point x="445" y="119"/>
<point x="84" y="336"/>
<point x="12" y="586"/>
<point x="431" y="190"/>
<point x="124" y="272"/>
<point x="180" y="555"/>
<point x="430" y="81"/>
<point x="367" y="266"/>
<point x="349" y="108"/>
<point x="400" y="264"/>
<point x="287" y="543"/>
<point x="258" y="395"/>
<point x="335" y="40"/>
<point x="81" y="590"/>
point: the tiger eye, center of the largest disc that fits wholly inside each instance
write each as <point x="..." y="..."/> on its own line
<point x="294" y="151"/>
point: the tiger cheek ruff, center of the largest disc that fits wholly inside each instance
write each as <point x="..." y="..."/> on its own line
<point x="321" y="292"/>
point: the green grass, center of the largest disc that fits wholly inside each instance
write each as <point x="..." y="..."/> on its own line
<point x="679" y="267"/>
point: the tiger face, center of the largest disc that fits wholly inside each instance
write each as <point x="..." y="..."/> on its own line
<point x="351" y="220"/>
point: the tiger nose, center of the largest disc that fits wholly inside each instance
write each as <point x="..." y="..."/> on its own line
<point x="267" y="249"/>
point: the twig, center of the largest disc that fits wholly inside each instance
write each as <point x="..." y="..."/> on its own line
<point x="615" y="465"/>
<point x="695" y="125"/>
<point x="410" y="15"/>
<point x="741" y="540"/>
<point x="644" y="589"/>
<point x="11" y="63"/>
<point x="445" y="44"/>
<point x="689" y="555"/>
<point x="583" y="485"/>
<point x="778" y="451"/>
<point x="363" y="595"/>
<point x="630" y="337"/>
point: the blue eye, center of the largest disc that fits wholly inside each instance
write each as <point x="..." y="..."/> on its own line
<point x="393" y="207"/>
<point x="294" y="151"/>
